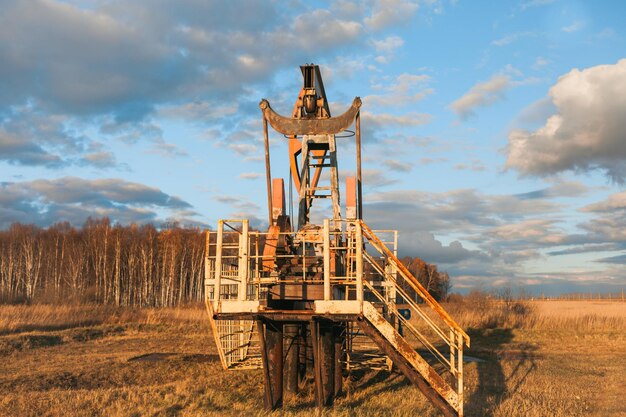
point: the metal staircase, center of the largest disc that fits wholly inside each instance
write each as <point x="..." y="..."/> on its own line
<point x="412" y="365"/>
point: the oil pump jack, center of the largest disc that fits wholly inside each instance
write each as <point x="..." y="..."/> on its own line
<point x="315" y="302"/>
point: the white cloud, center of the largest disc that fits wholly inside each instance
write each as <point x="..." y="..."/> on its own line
<point x="388" y="45"/>
<point x="559" y="188"/>
<point x="201" y="111"/>
<point x="390" y="12"/>
<point x="386" y="119"/>
<point x="243" y="148"/>
<point x="321" y="29"/>
<point x="74" y="199"/>
<point x="540" y="62"/>
<point x="403" y="90"/>
<point x="386" y="48"/>
<point x="508" y="39"/>
<point x="249" y="175"/>
<point x="490" y="238"/>
<point x="609" y="221"/>
<point x="475" y="165"/>
<point x="166" y="149"/>
<point x="526" y="231"/>
<point x="574" y="27"/>
<point x="614" y="202"/>
<point x="587" y="131"/>
<point x="396" y="165"/>
<point x="604" y="34"/>
<point x="535" y="3"/>
<point x="103" y="159"/>
<point x="481" y="95"/>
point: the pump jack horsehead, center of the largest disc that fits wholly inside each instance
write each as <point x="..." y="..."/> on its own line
<point x="318" y="301"/>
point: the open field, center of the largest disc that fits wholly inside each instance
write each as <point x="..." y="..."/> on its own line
<point x="560" y="358"/>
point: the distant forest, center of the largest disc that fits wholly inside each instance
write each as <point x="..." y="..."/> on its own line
<point x="121" y="265"/>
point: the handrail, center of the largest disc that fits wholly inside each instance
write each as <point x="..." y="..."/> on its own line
<point x="418" y="335"/>
<point x="409" y="301"/>
<point x="417" y="286"/>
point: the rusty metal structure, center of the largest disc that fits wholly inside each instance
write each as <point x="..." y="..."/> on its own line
<point x="308" y="301"/>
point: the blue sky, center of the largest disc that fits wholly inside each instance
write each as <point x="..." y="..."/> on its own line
<point x="494" y="132"/>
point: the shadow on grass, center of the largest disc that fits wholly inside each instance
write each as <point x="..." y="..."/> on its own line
<point x="170" y="356"/>
<point x="8" y="345"/>
<point x="367" y="382"/>
<point x="494" y="385"/>
<point x="381" y="381"/>
<point x="25" y="328"/>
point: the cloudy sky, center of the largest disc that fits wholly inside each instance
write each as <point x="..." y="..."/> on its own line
<point x="494" y="132"/>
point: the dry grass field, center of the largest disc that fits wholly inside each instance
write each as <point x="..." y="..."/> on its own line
<point x="553" y="358"/>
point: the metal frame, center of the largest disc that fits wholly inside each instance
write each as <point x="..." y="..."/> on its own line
<point x="334" y="289"/>
<point x="430" y="328"/>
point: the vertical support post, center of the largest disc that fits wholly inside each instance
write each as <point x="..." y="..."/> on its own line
<point x="459" y="381"/>
<point x="242" y="291"/>
<point x="395" y="243"/>
<point x="303" y="257"/>
<point x="359" y="262"/>
<point x="244" y="257"/>
<point x="334" y="179"/>
<point x="325" y="362"/>
<point x="257" y="276"/>
<point x="317" y="366"/>
<point x="271" y="338"/>
<point x="358" y="166"/>
<point x="292" y="356"/>
<point x="207" y="266"/>
<point x="217" y="290"/>
<point x="268" y="172"/>
<point x="303" y="205"/>
<point x="328" y="358"/>
<point x="338" y="339"/>
<point x="453" y="356"/>
<point x="305" y="352"/>
<point x="267" y="392"/>
<point x="327" y="294"/>
<point x="278" y="199"/>
<point x="351" y="203"/>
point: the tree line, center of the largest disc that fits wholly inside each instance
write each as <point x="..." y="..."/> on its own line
<point x="436" y="282"/>
<point x="135" y="265"/>
<point x="102" y="263"/>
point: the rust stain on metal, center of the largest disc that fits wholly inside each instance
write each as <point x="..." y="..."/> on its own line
<point x="292" y="127"/>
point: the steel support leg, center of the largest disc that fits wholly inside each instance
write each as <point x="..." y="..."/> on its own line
<point x="292" y="357"/>
<point x="271" y="337"/>
<point x="306" y="354"/>
<point x="326" y="364"/>
<point x="338" y="335"/>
